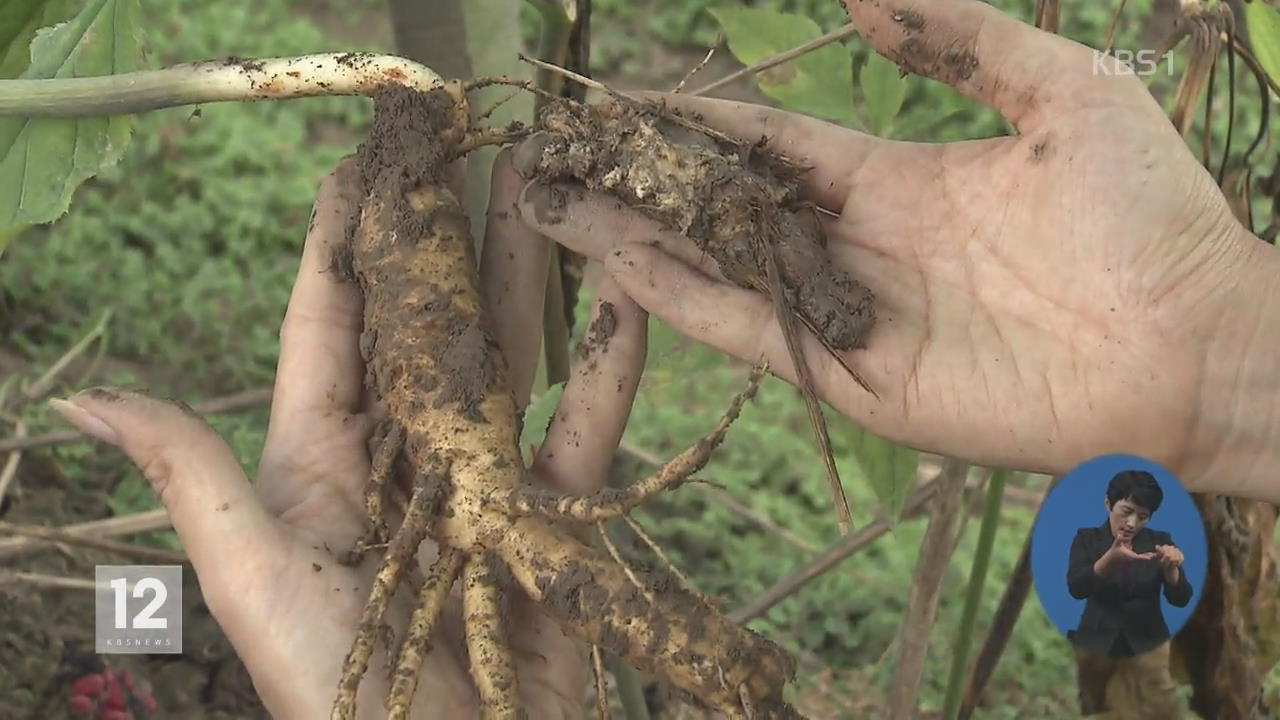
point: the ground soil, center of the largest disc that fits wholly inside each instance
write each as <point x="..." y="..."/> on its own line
<point x="46" y="635"/>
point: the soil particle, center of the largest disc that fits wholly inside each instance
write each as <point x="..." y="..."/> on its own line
<point x="605" y="324"/>
<point x="1039" y="150"/>
<point x="909" y="19"/>
<point x="924" y="58"/>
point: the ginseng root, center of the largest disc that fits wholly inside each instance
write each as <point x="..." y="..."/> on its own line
<point x="432" y="359"/>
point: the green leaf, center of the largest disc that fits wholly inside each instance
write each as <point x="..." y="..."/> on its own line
<point x="19" y="20"/>
<point x="43" y="160"/>
<point x="537" y="416"/>
<point x="890" y="469"/>
<point x="884" y="89"/>
<point x="819" y="83"/>
<point x="1263" y="22"/>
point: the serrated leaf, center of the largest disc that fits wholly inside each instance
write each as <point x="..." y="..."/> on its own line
<point x="537" y="416"/>
<point x="883" y="89"/>
<point x="890" y="469"/>
<point x="819" y="83"/>
<point x="19" y="20"/>
<point x="1263" y="22"/>
<point x="43" y="160"/>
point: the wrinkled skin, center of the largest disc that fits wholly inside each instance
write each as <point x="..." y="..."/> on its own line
<point x="1076" y="289"/>
<point x="266" y="554"/>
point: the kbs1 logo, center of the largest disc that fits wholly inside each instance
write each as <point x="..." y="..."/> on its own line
<point x="1143" y="63"/>
<point x="138" y="609"/>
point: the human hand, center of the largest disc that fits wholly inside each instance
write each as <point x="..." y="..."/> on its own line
<point x="1170" y="556"/>
<point x="1122" y="550"/>
<point x="1081" y="288"/>
<point x="266" y="554"/>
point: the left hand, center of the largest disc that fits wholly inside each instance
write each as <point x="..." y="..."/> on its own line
<point x="1169" y="556"/>
<point x="1170" y="559"/>
<point x="265" y="552"/>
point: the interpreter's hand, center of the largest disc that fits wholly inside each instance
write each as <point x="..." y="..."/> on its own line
<point x="266" y="553"/>
<point x="1080" y="288"/>
<point x="1169" y="555"/>
<point x="1122" y="550"/>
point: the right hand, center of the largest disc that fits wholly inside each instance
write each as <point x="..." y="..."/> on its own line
<point x="1122" y="550"/>
<point x="1080" y="288"/>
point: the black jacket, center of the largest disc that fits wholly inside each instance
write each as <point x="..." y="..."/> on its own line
<point x="1122" y="616"/>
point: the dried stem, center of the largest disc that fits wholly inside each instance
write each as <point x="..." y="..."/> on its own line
<point x="49" y="581"/>
<point x="136" y="552"/>
<point x="694" y="70"/>
<point x="11" y="464"/>
<point x="622" y="563"/>
<point x="157" y="519"/>
<point x="662" y="555"/>
<point x="917" y="623"/>
<point x="831" y="37"/>
<point x="1111" y="31"/>
<point x="602" y="687"/>
<point x="827" y="560"/>
<point x="719" y="496"/>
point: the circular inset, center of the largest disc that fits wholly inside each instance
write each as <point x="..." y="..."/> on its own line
<point x="1119" y="555"/>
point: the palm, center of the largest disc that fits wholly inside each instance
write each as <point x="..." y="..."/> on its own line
<point x="304" y="604"/>
<point x="268" y="554"/>
<point x="1042" y="298"/>
<point x="965" y="245"/>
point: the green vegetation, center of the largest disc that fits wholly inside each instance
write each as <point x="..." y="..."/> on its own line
<point x="193" y="242"/>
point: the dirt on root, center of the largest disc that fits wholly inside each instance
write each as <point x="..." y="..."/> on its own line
<point x="738" y="202"/>
<point x="46" y="635"/>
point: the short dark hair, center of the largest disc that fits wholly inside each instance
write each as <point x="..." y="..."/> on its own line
<point x="1136" y="485"/>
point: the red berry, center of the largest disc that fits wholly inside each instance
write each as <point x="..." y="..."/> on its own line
<point x="89" y="685"/>
<point x="115" y="715"/>
<point x="115" y="699"/>
<point x="126" y="677"/>
<point x="81" y="705"/>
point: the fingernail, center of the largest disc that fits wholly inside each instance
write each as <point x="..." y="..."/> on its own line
<point x="546" y="203"/>
<point x="85" y="421"/>
<point x="526" y="156"/>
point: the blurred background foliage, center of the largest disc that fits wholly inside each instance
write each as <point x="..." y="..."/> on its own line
<point x="193" y="241"/>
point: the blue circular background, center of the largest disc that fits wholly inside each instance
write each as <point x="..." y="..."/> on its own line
<point x="1077" y="502"/>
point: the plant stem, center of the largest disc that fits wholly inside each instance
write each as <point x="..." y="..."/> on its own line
<point x="553" y="48"/>
<point x="977" y="578"/>
<point x="630" y="690"/>
<point x="214" y="81"/>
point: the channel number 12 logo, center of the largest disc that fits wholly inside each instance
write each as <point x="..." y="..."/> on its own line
<point x="138" y="609"/>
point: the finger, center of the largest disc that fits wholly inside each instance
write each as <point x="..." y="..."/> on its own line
<point x="834" y="153"/>
<point x="593" y="224"/>
<point x="320" y="367"/>
<point x="513" y="274"/>
<point x="733" y="320"/>
<point x="1025" y="73"/>
<point x="593" y="412"/>
<point x="193" y="472"/>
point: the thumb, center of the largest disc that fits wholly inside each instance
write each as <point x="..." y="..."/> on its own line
<point x="209" y="499"/>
